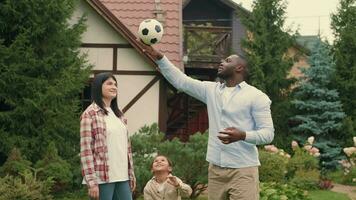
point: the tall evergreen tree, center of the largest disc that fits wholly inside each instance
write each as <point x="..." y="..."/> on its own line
<point x="41" y="76"/>
<point x="319" y="108"/>
<point x="266" y="47"/>
<point x="344" y="27"/>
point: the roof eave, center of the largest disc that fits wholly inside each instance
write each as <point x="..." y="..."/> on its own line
<point x="119" y="27"/>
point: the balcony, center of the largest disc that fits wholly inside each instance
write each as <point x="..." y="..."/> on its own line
<point x="205" y="46"/>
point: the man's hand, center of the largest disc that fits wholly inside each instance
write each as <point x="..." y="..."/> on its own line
<point x="231" y="134"/>
<point x="150" y="50"/>
<point x="93" y="192"/>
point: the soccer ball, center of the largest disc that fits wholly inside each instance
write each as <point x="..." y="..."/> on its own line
<point x="150" y="31"/>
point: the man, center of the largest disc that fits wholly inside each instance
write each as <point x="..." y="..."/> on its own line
<point x="239" y="119"/>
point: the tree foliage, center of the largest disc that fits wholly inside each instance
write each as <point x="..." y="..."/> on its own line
<point x="319" y="109"/>
<point x="266" y="47"/>
<point x="344" y="27"/>
<point x="41" y="76"/>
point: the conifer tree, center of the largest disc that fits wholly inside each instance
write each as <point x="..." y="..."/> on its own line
<point x="41" y="77"/>
<point x="266" y="47"/>
<point x="320" y="110"/>
<point x="344" y="27"/>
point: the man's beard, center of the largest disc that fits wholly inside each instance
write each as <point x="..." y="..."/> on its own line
<point x="223" y="76"/>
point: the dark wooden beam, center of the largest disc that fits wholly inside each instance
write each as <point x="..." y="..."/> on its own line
<point x="162" y="110"/>
<point x="102" y="45"/>
<point x="128" y="72"/>
<point x="114" y="64"/>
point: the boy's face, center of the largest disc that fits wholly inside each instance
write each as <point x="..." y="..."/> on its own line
<point x="161" y="163"/>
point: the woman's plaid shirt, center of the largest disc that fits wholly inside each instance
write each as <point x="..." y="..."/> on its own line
<point x="93" y="148"/>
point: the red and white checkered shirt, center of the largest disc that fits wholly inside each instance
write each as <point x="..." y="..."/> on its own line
<point x="93" y="147"/>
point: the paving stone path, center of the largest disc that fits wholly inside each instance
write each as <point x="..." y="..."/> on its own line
<point x="346" y="189"/>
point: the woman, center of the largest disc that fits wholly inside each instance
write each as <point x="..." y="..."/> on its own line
<point x="106" y="157"/>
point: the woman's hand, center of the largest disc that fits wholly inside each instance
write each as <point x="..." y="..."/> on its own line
<point x="133" y="185"/>
<point x="93" y="192"/>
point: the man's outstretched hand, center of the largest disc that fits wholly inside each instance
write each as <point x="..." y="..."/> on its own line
<point x="231" y="134"/>
<point x="150" y="50"/>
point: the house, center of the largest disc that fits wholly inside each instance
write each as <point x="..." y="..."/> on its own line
<point x="111" y="46"/>
<point x="196" y="38"/>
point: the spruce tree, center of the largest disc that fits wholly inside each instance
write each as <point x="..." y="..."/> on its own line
<point x="344" y="28"/>
<point x="41" y="77"/>
<point x="266" y="47"/>
<point x="319" y="107"/>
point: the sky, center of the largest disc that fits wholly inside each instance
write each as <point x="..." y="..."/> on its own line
<point x="309" y="15"/>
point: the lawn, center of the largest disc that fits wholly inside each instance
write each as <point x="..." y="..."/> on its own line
<point x="327" y="195"/>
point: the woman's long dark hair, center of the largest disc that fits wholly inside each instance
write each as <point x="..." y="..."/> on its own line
<point x="97" y="93"/>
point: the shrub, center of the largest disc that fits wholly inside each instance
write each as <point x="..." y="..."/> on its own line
<point x="306" y="179"/>
<point x="144" y="145"/>
<point x="349" y="164"/>
<point x="15" y="164"/>
<point x="273" y="167"/>
<point x="189" y="161"/>
<point x="188" y="158"/>
<point x="350" y="178"/>
<point x="52" y="165"/>
<point x="26" y="187"/>
<point x="277" y="191"/>
<point x="301" y="160"/>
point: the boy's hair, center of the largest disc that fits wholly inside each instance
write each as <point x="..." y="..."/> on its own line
<point x="160" y="155"/>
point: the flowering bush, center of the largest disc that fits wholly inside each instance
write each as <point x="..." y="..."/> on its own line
<point x="273" y="167"/>
<point x="348" y="164"/>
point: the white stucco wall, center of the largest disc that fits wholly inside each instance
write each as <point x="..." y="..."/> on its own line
<point x="100" y="58"/>
<point x="130" y="59"/>
<point x="145" y="110"/>
<point x="98" y="29"/>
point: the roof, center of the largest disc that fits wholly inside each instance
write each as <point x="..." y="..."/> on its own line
<point x="118" y="26"/>
<point x="132" y="12"/>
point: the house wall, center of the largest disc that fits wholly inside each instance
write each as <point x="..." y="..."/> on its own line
<point x="99" y="31"/>
<point x="300" y="61"/>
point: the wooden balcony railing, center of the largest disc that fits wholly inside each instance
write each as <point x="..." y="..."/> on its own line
<point x="206" y="44"/>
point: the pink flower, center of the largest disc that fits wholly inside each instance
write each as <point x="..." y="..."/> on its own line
<point x="274" y="149"/>
<point x="314" y="150"/>
<point x="268" y="147"/>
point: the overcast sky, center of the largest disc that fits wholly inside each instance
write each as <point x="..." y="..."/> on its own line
<point x="308" y="15"/>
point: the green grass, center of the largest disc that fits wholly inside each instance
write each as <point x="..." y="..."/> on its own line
<point x="327" y="195"/>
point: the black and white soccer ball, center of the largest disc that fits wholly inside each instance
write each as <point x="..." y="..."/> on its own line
<point x="150" y="31"/>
